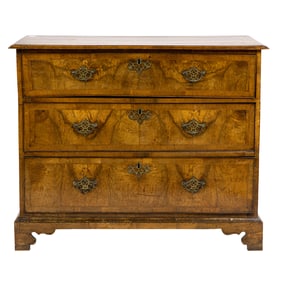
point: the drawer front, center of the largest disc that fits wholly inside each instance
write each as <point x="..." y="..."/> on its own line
<point x="139" y="74"/>
<point x="139" y="127"/>
<point x="139" y="185"/>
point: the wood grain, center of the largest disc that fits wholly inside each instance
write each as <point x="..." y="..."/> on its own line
<point x="49" y="185"/>
<point x="48" y="74"/>
<point x="50" y="127"/>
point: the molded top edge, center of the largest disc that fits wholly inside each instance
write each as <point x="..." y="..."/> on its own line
<point x="139" y="42"/>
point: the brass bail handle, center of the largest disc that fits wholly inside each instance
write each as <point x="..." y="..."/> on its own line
<point x="193" y="74"/>
<point x="194" y="127"/>
<point x="85" y="185"/>
<point x="83" y="73"/>
<point x="85" y="127"/>
<point x="193" y="185"/>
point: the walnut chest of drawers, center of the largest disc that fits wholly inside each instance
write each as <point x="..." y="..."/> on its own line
<point x="138" y="132"/>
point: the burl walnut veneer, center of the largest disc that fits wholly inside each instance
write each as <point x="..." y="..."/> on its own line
<point x="138" y="132"/>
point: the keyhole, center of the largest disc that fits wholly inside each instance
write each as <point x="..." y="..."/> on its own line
<point x="139" y="111"/>
<point x="138" y="61"/>
<point x="138" y="165"/>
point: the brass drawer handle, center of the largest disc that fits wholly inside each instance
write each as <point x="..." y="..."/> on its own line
<point x="139" y="115"/>
<point x="138" y="170"/>
<point x="193" y="185"/>
<point x="85" y="127"/>
<point x="85" y="185"/>
<point x="139" y="65"/>
<point x="194" y="127"/>
<point x="193" y="74"/>
<point x="83" y="73"/>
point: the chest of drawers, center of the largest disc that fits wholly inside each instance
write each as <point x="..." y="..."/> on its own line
<point x="138" y="132"/>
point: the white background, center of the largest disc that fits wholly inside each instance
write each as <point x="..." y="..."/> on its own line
<point x="143" y="255"/>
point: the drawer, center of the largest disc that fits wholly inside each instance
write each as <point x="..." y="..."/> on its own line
<point x="139" y="127"/>
<point x="193" y="185"/>
<point x="139" y="74"/>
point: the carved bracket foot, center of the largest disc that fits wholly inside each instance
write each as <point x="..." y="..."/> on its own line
<point x="253" y="237"/>
<point x="23" y="233"/>
<point x="23" y="240"/>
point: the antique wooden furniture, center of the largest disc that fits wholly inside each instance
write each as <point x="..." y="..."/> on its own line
<point x="138" y="132"/>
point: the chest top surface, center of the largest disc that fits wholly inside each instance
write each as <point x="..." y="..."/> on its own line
<point x="139" y="42"/>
